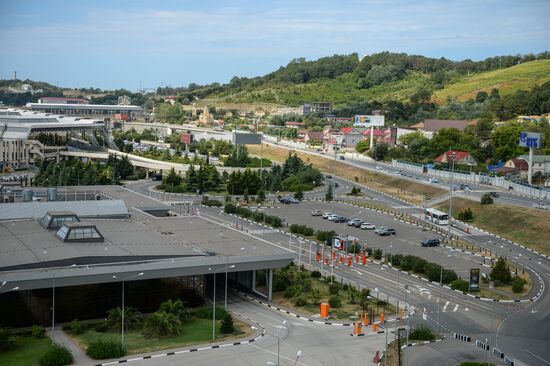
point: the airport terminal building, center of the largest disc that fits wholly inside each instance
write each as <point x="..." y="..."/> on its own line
<point x="83" y="241"/>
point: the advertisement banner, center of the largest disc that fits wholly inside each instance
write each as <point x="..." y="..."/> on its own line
<point x="243" y="138"/>
<point x="186" y="138"/>
<point x="368" y="121"/>
<point x="529" y="139"/>
<point x="337" y="243"/>
<point x="474" y="279"/>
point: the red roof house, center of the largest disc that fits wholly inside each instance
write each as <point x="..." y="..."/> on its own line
<point x="461" y="157"/>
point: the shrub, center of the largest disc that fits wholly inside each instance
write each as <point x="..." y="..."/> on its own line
<point x="335" y="301"/>
<point x="334" y="289"/>
<point x="315" y="296"/>
<point x="418" y="264"/>
<point x="230" y="208"/>
<point x="301" y="229"/>
<point x="162" y="324"/>
<point x="369" y="251"/>
<point x="205" y="312"/>
<point x="102" y="327"/>
<point x="300" y="300"/>
<point x="77" y="327"/>
<point x="7" y="339"/>
<point x="432" y="271"/>
<point x="38" y="331"/>
<point x="460" y="285"/>
<point x="486" y="199"/>
<point x="212" y="203"/>
<point x="517" y="284"/>
<point x="377" y="254"/>
<point x="56" y="355"/>
<point x="422" y="333"/>
<point x="466" y="214"/>
<point x="227" y="326"/>
<point x="176" y="307"/>
<point x="449" y="276"/>
<point x="325" y="236"/>
<point x="132" y="318"/>
<point x="299" y="195"/>
<point x="292" y="291"/>
<point x="315" y="274"/>
<point x="100" y="349"/>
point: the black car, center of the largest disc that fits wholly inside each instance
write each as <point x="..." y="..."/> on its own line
<point x="340" y="219"/>
<point x="156" y="177"/>
<point x="431" y="242"/>
<point x="494" y="194"/>
<point x="285" y="200"/>
<point x="328" y="176"/>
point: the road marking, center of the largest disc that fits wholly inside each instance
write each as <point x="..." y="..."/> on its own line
<point x="466" y="309"/>
<point x="532" y="354"/>
<point x="445" y="306"/>
<point x="456" y="308"/>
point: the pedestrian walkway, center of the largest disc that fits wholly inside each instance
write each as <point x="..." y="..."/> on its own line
<point x="80" y="357"/>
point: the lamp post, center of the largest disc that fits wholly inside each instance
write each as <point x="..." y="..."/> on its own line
<point x="452" y="156"/>
<point x="122" y="310"/>
<point x="408" y="323"/>
<point x="298" y="354"/>
<point x="226" y="267"/>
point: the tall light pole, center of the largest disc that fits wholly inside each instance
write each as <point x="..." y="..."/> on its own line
<point x="408" y="324"/>
<point x="213" y="306"/>
<point x="452" y="157"/>
<point x="226" y="267"/>
<point x="122" y="310"/>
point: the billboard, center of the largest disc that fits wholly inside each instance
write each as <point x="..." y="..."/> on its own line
<point x="530" y="140"/>
<point x="338" y="243"/>
<point x="336" y="140"/>
<point x="368" y="121"/>
<point x="244" y="138"/>
<point x="474" y="279"/>
<point x="186" y="138"/>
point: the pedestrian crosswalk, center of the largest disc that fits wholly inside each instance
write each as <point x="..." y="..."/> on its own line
<point x="446" y="305"/>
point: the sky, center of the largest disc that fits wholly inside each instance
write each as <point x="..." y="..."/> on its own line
<point x="127" y="43"/>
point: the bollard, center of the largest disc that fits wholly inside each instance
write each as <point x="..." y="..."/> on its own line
<point x="382" y="318"/>
<point x="374" y="327"/>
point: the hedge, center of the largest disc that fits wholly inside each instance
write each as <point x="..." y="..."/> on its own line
<point x="246" y="213"/>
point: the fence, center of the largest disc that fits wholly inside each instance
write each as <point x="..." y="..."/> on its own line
<point x="474" y="178"/>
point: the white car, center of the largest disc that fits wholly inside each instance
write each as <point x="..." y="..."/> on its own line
<point x="367" y="226"/>
<point x="433" y="180"/>
<point x="316" y="213"/>
<point x="332" y="217"/>
<point x="327" y="214"/>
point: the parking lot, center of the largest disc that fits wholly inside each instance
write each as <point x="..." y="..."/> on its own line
<point x="406" y="240"/>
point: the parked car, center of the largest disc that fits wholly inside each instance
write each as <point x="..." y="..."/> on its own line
<point x="326" y="215"/>
<point x="431" y="242"/>
<point x="340" y="219"/>
<point x="367" y="226"/>
<point x="332" y="217"/>
<point x="433" y="180"/>
<point x="316" y="213"/>
<point x="294" y="200"/>
<point x="385" y="231"/>
<point x="494" y="194"/>
<point x="285" y="200"/>
<point x="464" y="187"/>
<point x="156" y="177"/>
<point x="354" y="222"/>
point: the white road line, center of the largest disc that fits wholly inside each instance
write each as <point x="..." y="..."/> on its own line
<point x="445" y="306"/>
<point x="456" y="308"/>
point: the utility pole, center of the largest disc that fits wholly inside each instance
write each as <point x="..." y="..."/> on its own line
<point x="452" y="156"/>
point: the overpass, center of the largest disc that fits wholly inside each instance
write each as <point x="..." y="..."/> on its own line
<point x="140" y="161"/>
<point x="140" y="126"/>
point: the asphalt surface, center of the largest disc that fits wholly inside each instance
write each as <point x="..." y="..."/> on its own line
<point x="519" y="330"/>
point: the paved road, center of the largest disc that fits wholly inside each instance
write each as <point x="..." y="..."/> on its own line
<point x="520" y="335"/>
<point x="320" y="344"/>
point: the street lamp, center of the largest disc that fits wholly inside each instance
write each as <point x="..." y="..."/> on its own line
<point x="278" y="337"/>
<point x="452" y="156"/>
<point x="408" y="323"/>
<point x="298" y="354"/>
<point x="122" y="312"/>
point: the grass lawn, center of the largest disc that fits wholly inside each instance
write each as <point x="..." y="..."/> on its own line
<point x="520" y="224"/>
<point x="197" y="331"/>
<point x="27" y="351"/>
<point x="407" y="190"/>
<point x="344" y="312"/>
<point x="505" y="292"/>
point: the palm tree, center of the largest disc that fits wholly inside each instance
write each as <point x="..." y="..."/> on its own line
<point x="176" y="307"/>
<point x="132" y="318"/>
<point x="162" y="324"/>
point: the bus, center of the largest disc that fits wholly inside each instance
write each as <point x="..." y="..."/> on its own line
<point x="436" y="216"/>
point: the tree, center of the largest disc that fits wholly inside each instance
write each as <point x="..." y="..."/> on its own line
<point x="379" y="151"/>
<point x="162" y="324"/>
<point x="227" y="326"/>
<point x="299" y="195"/>
<point x="132" y="318"/>
<point x="362" y="146"/>
<point x="177" y="308"/>
<point x="329" y="195"/>
<point x="261" y="196"/>
<point x="315" y="296"/>
<point x="501" y="272"/>
<point x="505" y="139"/>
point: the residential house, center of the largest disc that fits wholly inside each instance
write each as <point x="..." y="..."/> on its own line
<point x="431" y="126"/>
<point x="541" y="163"/>
<point x="461" y="158"/>
<point x="514" y="166"/>
<point x="294" y="124"/>
<point x="313" y="138"/>
<point x="317" y="107"/>
<point x="351" y="136"/>
<point x="378" y="135"/>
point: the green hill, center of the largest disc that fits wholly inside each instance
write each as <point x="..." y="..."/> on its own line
<point x="345" y="80"/>
<point x="509" y="80"/>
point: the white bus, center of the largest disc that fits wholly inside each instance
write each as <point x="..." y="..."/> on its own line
<point x="436" y="216"/>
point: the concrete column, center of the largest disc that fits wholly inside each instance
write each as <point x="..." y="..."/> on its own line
<point x="253" y="281"/>
<point x="371" y="137"/>
<point x="269" y="284"/>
